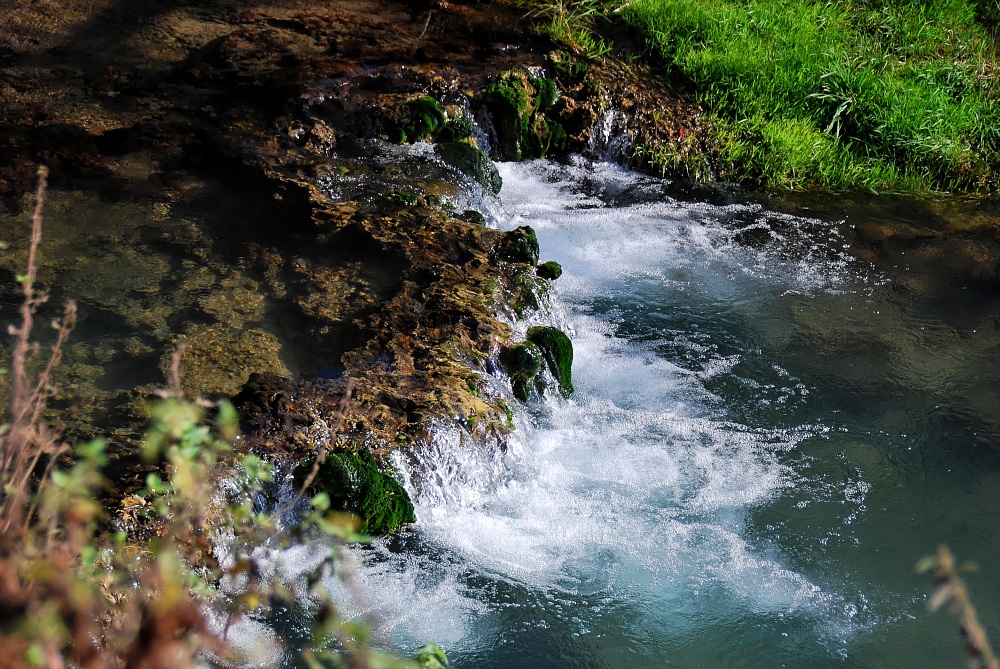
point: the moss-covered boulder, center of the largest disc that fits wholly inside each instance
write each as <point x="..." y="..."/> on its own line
<point x="522" y="364"/>
<point x="355" y="483"/>
<point x="518" y="102"/>
<point x="471" y="162"/>
<point x="519" y="245"/>
<point x="557" y="350"/>
<point x="550" y="270"/>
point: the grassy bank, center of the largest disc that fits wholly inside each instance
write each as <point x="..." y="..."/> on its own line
<point x="847" y="94"/>
<point x="878" y="95"/>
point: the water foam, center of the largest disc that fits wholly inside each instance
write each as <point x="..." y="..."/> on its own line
<point x="634" y="492"/>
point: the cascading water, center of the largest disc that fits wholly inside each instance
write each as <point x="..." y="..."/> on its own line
<point x="724" y="488"/>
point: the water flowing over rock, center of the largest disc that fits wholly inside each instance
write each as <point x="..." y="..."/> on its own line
<point x="277" y="207"/>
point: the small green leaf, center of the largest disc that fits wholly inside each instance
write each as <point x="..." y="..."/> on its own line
<point x="156" y="484"/>
<point x="35" y="655"/>
<point x="94" y="451"/>
<point x="320" y="501"/>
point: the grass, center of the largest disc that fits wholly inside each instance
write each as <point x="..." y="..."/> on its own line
<point x="848" y="94"/>
<point x="571" y="23"/>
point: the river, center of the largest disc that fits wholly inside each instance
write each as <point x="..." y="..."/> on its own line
<point x="769" y="430"/>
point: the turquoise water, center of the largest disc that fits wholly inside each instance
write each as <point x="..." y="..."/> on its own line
<point x="767" y="434"/>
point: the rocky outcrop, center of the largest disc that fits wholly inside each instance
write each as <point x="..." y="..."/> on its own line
<point x="261" y="173"/>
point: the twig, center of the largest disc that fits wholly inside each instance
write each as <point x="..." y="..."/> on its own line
<point x="174" y="378"/>
<point x="19" y="402"/>
<point x="950" y="588"/>
<point x="427" y="23"/>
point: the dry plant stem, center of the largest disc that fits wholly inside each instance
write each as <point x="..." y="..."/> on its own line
<point x="18" y="374"/>
<point x="37" y="399"/>
<point x="28" y="441"/>
<point x="321" y="458"/>
<point x="174" y="379"/>
<point x="950" y="588"/>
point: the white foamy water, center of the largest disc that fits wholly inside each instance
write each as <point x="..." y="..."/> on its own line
<point x="628" y="501"/>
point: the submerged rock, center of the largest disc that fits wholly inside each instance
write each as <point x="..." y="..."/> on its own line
<point x="355" y="483"/>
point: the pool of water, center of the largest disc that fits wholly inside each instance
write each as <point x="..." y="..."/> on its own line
<point x="771" y="425"/>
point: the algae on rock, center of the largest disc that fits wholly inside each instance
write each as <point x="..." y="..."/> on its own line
<point x="557" y="349"/>
<point x="550" y="270"/>
<point x="471" y="162"/>
<point x="519" y="246"/>
<point x="523" y="362"/>
<point x="355" y="483"/>
<point x="518" y="102"/>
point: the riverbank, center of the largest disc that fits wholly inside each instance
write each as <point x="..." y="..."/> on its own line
<point x="883" y="97"/>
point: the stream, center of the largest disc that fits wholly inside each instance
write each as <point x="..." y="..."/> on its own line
<point x="767" y="433"/>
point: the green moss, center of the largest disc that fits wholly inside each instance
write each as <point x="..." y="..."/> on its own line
<point x="519" y="245"/>
<point x="557" y="349"/>
<point x="472" y="216"/>
<point x="355" y="483"/>
<point x="566" y="67"/>
<point x="414" y="120"/>
<point x="549" y="270"/>
<point x="456" y="131"/>
<point x="518" y="101"/>
<point x="522" y="364"/>
<point x="471" y="162"/>
<point x="546" y="93"/>
<point x="527" y="290"/>
<point x="403" y="197"/>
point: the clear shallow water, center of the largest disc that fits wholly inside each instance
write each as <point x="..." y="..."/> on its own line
<point x="766" y="435"/>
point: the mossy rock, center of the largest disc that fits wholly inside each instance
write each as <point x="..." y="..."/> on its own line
<point x="471" y="162"/>
<point x="472" y="216"/>
<point x="422" y="119"/>
<point x="518" y="101"/>
<point x="355" y="483"/>
<point x="519" y="245"/>
<point x="557" y="350"/>
<point x="567" y="67"/>
<point x="456" y="130"/>
<point x="522" y="364"/>
<point x="550" y="270"/>
<point x="415" y="120"/>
